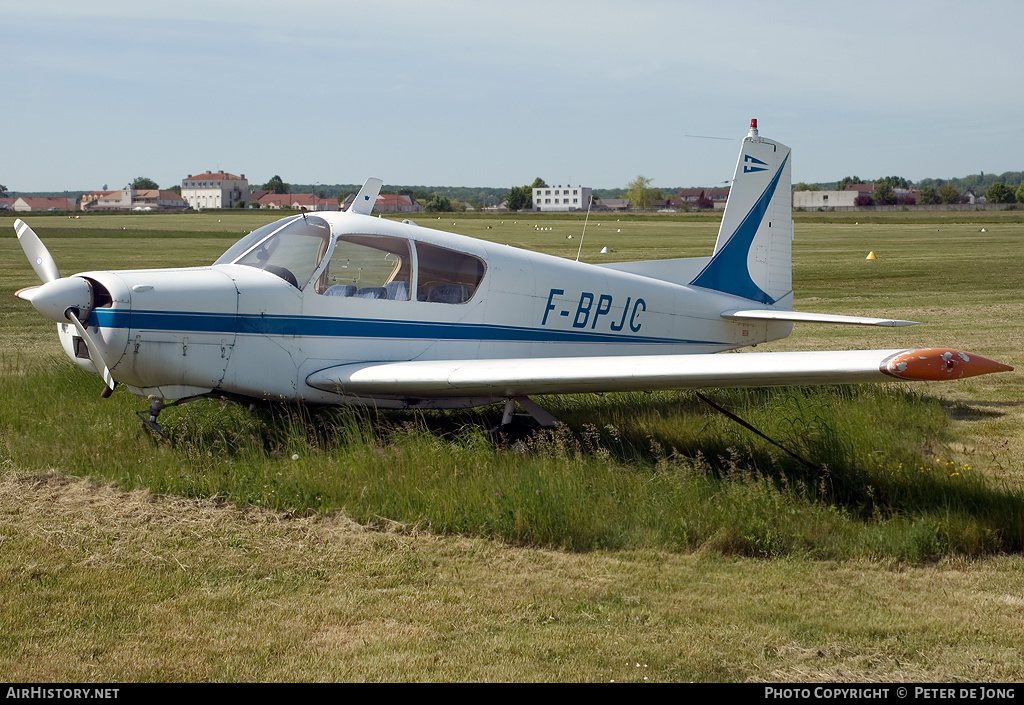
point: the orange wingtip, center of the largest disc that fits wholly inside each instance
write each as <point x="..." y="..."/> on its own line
<point x="940" y="364"/>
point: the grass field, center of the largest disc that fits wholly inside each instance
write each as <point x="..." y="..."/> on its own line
<point x="650" y="539"/>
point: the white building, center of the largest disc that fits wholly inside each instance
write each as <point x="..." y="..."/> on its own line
<point x="561" y="198"/>
<point x="214" y="189"/>
<point x="832" y="199"/>
<point x="824" y="199"/>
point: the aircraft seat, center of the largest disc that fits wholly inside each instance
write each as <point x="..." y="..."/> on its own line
<point x="449" y="294"/>
<point x="397" y="291"/>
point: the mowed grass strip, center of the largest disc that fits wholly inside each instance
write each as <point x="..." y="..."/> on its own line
<point x="102" y="585"/>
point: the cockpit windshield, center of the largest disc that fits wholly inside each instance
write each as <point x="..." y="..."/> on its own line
<point x="290" y="249"/>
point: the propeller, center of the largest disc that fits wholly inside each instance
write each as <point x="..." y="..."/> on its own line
<point x="68" y="299"/>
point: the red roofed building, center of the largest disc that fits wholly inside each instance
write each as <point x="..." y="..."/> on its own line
<point x="688" y="196"/>
<point x="214" y="189"/>
<point x="389" y="203"/>
<point x="297" y="201"/>
<point x="395" y="203"/>
<point x="157" y="199"/>
<point x="91" y="201"/>
<point x="44" y="203"/>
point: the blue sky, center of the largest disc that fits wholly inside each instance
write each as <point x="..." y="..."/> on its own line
<point x="494" y="94"/>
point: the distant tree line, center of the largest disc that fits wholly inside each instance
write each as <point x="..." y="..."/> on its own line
<point x="1007" y="185"/>
<point x="1006" y="188"/>
<point x="979" y="183"/>
<point x="483" y="195"/>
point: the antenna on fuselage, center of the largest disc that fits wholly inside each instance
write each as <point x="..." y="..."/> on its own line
<point x="585" y="221"/>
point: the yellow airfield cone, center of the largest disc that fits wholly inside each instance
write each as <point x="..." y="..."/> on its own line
<point x="871" y="255"/>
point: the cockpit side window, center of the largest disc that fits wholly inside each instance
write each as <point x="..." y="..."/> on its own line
<point x="447" y="276"/>
<point x="368" y="267"/>
<point x="292" y="250"/>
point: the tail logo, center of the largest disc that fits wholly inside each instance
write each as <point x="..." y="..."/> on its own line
<point x="748" y="160"/>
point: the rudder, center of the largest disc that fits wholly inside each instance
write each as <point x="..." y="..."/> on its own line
<point x="753" y="253"/>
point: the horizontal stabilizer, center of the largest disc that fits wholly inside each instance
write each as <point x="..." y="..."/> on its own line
<point x="676" y="271"/>
<point x="764" y="314"/>
<point x="525" y="376"/>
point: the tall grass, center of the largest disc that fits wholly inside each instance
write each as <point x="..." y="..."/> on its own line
<point x="625" y="471"/>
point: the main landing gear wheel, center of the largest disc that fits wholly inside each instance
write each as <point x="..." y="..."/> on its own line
<point x="509" y="435"/>
<point x="512" y="434"/>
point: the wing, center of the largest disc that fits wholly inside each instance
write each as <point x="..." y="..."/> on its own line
<point x="524" y="376"/>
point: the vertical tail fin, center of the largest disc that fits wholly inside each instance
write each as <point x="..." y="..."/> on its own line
<point x="753" y="254"/>
<point x="366" y="199"/>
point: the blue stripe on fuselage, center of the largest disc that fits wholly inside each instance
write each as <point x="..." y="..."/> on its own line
<point x="317" y="326"/>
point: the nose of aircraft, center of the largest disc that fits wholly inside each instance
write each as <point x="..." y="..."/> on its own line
<point x="65" y="300"/>
<point x="55" y="297"/>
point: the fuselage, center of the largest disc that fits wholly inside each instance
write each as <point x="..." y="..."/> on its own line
<point x="318" y="291"/>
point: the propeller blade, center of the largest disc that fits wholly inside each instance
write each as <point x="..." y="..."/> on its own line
<point x="35" y="250"/>
<point x="94" y="354"/>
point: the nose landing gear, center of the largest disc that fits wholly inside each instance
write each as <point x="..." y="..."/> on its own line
<point x="156" y="405"/>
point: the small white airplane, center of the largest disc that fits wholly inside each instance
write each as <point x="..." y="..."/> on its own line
<point x="334" y="308"/>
